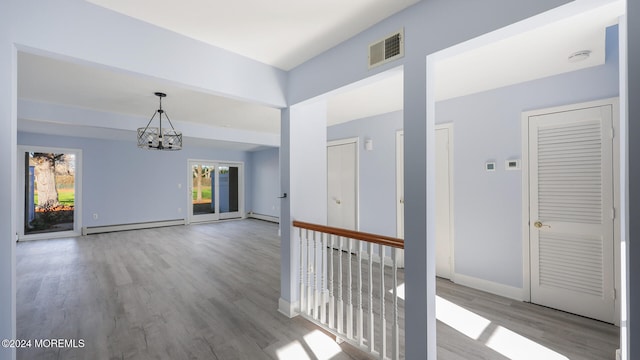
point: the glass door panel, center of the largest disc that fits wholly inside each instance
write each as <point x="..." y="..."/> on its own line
<point x="203" y="184"/>
<point x="49" y="192"/>
<point x="229" y="185"/>
<point x="202" y="189"/>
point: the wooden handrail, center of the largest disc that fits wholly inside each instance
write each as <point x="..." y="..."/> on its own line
<point x="351" y="234"/>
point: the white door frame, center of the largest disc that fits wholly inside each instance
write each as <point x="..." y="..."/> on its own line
<point x="356" y="141"/>
<point x="399" y="193"/>
<point x="526" y="260"/>
<point x="215" y="191"/>
<point x="77" y="207"/>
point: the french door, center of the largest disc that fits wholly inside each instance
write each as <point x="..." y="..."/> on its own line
<point x="216" y="190"/>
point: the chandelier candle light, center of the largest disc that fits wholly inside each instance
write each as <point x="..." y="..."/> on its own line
<point x="159" y="138"/>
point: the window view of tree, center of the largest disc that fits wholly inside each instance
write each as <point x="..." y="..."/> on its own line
<point x="202" y="189"/>
<point x="50" y="192"/>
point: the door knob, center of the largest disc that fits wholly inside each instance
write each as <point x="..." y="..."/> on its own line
<point x="338" y="201"/>
<point x="538" y="224"/>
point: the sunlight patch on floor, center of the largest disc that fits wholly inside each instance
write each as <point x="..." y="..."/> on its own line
<point x="502" y="340"/>
<point x="292" y="351"/>
<point x="400" y="290"/>
<point x="464" y="321"/>
<point x="516" y="346"/>
<point x="322" y="345"/>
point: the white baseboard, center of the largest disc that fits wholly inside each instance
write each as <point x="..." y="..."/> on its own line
<point x="273" y="219"/>
<point x="47" y="236"/>
<point x="87" y="230"/>
<point x="618" y="355"/>
<point x="489" y="286"/>
<point x="287" y="309"/>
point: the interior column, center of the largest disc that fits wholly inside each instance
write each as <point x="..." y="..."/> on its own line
<point x="303" y="177"/>
<point x="419" y="231"/>
<point x="8" y="181"/>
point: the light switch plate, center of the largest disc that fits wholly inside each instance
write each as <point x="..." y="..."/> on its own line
<point x="513" y="164"/>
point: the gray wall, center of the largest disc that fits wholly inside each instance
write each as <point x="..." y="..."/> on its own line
<point x="121" y="183"/>
<point x="487" y="126"/>
<point x="265" y="184"/>
<point x="377" y="169"/>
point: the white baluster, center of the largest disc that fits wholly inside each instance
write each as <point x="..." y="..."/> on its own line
<point x="319" y="301"/>
<point x="383" y="321"/>
<point x="309" y="285"/>
<point x="350" y="295"/>
<point x="331" y="297"/>
<point x="302" y="288"/>
<point x="340" y="318"/>
<point x="323" y="273"/>
<point x="359" y="313"/>
<point x="396" y="330"/>
<point x="371" y="319"/>
<point x="316" y="270"/>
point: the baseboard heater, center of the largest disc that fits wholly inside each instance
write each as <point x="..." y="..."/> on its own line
<point x="273" y="219"/>
<point x="88" y="230"/>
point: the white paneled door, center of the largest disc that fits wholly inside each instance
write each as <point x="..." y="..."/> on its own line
<point x="342" y="170"/>
<point x="443" y="203"/>
<point x="571" y="214"/>
<point x="444" y="198"/>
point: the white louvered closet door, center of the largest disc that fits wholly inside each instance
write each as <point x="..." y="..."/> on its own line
<point x="571" y="211"/>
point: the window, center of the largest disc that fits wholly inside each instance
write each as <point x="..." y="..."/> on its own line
<point x="51" y="196"/>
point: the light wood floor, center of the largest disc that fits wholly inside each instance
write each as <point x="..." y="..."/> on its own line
<point x="211" y="291"/>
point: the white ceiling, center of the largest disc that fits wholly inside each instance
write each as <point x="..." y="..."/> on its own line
<point x="379" y="97"/>
<point x="54" y="81"/>
<point x="524" y="57"/>
<point x="528" y="56"/>
<point x="281" y="33"/>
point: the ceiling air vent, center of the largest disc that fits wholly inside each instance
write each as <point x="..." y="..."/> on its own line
<point x="387" y="49"/>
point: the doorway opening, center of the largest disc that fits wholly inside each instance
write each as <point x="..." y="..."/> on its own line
<point x="51" y="179"/>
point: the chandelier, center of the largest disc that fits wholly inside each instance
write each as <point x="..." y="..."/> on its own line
<point x="159" y="138"/>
